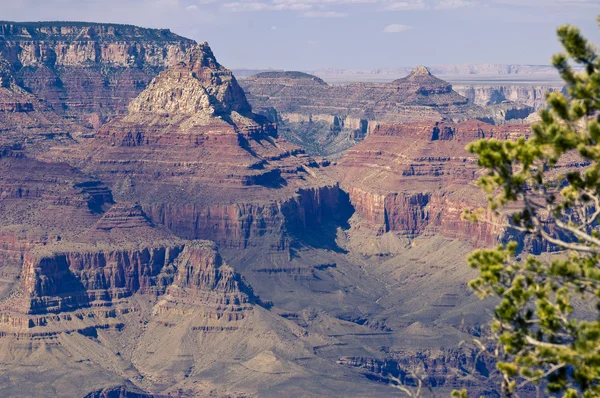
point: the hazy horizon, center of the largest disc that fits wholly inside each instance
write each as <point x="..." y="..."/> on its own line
<point x="342" y="34"/>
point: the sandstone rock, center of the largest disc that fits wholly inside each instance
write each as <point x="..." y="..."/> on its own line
<point x="527" y="94"/>
<point x="198" y="161"/>
<point x="25" y="121"/>
<point x="418" y="178"/>
<point x="86" y="70"/>
<point x="337" y="117"/>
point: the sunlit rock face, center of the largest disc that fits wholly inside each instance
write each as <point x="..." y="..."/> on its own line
<point x="88" y="71"/>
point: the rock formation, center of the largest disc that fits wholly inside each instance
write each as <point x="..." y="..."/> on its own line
<point x="527" y="94"/>
<point x="196" y="158"/>
<point x="417" y="178"/>
<point x="25" y="120"/>
<point x="106" y="275"/>
<point x="337" y="117"/>
<point x="86" y="70"/>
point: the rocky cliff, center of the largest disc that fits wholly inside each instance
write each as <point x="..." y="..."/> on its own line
<point x="191" y="151"/>
<point x="88" y="71"/>
<point x="102" y="277"/>
<point x="25" y="120"/>
<point x="417" y="178"/>
<point x="527" y="94"/>
<point x="328" y="119"/>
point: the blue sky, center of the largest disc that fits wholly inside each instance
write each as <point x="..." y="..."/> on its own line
<point x="312" y="34"/>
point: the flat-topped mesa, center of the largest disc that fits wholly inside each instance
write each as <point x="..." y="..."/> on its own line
<point x="69" y="277"/>
<point x="82" y="31"/>
<point x="121" y="255"/>
<point x="89" y="71"/>
<point x="293" y="77"/>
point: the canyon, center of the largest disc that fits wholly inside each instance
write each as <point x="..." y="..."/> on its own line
<point x="86" y="71"/>
<point x="328" y="119"/>
<point x="167" y="231"/>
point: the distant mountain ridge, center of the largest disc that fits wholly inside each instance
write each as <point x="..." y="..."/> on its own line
<point x="448" y="69"/>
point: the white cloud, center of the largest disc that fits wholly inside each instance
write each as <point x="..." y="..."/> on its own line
<point x="245" y="7"/>
<point x="392" y="5"/>
<point x="396" y="28"/>
<point x="325" y="14"/>
<point x="192" y="7"/>
<point x="446" y="4"/>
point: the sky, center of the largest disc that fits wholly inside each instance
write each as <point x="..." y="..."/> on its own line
<point x="346" y="34"/>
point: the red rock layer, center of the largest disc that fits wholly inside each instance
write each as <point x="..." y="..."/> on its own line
<point x="25" y="120"/>
<point x="90" y="71"/>
<point x="121" y="255"/>
<point x="418" y="178"/>
<point x="198" y="161"/>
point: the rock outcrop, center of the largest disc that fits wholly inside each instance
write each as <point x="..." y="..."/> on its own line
<point x="197" y="159"/>
<point x="526" y="94"/>
<point x="25" y="120"/>
<point x="42" y="203"/>
<point x="105" y="273"/>
<point x="329" y="119"/>
<point x="88" y="71"/>
<point x="418" y="178"/>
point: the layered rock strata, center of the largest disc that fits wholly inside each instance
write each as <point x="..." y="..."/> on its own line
<point x="85" y="70"/>
<point x="418" y="178"/>
<point x="198" y="160"/>
<point x="25" y="120"/>
<point x="527" y="94"/>
<point x="41" y="203"/>
<point x="337" y="117"/>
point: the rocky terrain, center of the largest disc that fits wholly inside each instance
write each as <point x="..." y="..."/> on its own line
<point x="88" y="72"/>
<point x="415" y="179"/>
<point x="527" y="94"/>
<point x="181" y="246"/>
<point x="329" y="119"/>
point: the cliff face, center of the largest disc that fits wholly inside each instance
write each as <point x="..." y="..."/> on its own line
<point x="198" y="160"/>
<point x="36" y="198"/>
<point x="123" y="296"/>
<point x="85" y="70"/>
<point x="526" y="94"/>
<point x="416" y="179"/>
<point x="337" y="117"/>
<point x="25" y="121"/>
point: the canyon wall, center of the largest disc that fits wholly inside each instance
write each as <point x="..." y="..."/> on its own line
<point x="330" y="119"/>
<point x="88" y="71"/>
<point x="527" y="94"/>
<point x="417" y="179"/>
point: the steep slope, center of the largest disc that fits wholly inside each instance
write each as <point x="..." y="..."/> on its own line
<point x="417" y="178"/>
<point x="533" y="95"/>
<point x="41" y="203"/>
<point x="25" y="120"/>
<point x="95" y="291"/>
<point x="328" y="119"/>
<point x="191" y="151"/>
<point x="87" y="71"/>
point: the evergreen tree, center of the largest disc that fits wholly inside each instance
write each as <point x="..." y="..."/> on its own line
<point x="548" y="187"/>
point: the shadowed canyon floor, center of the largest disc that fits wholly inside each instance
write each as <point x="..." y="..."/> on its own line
<point x="182" y="246"/>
